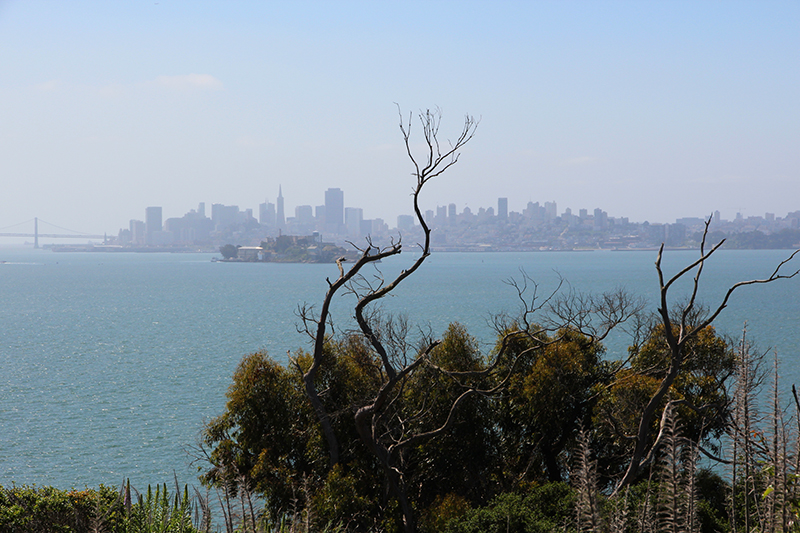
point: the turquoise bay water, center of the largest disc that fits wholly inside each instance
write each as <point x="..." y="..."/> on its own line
<point x="111" y="362"/>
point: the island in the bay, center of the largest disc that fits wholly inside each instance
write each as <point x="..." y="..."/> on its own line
<point x="287" y="249"/>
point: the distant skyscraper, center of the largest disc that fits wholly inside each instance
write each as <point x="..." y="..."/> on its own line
<point x="266" y="214"/>
<point x="405" y="222"/>
<point x="152" y="222"/>
<point x="568" y="217"/>
<point x="224" y="215"/>
<point x="201" y="209"/>
<point x="550" y="210"/>
<point x="451" y="214"/>
<point x="600" y="218"/>
<point x="304" y="214"/>
<point x="441" y="215"/>
<point x="334" y="210"/>
<point x="280" y="217"/>
<point x="352" y="220"/>
<point x="502" y="208"/>
<point x="138" y="232"/>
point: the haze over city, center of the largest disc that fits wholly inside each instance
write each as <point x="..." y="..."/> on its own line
<point x="651" y="111"/>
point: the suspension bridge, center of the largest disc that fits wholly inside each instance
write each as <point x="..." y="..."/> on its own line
<point x="71" y="235"/>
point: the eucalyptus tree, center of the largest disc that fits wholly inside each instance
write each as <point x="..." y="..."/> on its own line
<point x="375" y="419"/>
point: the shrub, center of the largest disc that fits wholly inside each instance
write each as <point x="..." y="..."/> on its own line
<point x="545" y="509"/>
<point x="44" y="509"/>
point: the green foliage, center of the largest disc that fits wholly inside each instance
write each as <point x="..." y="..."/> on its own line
<point x="465" y="461"/>
<point x="46" y="509"/>
<point x="263" y="439"/>
<point x="302" y="249"/>
<point x="345" y="499"/>
<point x="638" y="509"/>
<point x="502" y="448"/>
<point x="268" y="439"/>
<point x="708" y="364"/>
<point x="160" y="512"/>
<point x="712" y="505"/>
<point x="229" y="251"/>
<point x="544" y="509"/>
<point x="548" y="399"/>
<point x="444" y="508"/>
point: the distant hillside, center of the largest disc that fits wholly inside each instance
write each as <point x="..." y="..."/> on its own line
<point x="756" y="240"/>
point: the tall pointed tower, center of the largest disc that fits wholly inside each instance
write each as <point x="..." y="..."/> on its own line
<point x="281" y="219"/>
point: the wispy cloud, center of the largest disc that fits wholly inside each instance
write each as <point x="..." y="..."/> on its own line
<point x="189" y="82"/>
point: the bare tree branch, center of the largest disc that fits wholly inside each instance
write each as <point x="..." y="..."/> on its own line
<point x="677" y="335"/>
<point x="387" y="339"/>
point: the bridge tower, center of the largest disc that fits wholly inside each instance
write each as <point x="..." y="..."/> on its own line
<point x="36" y="233"/>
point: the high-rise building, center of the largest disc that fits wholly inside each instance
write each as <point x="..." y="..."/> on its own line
<point x="352" y="220"/>
<point x="266" y="214"/>
<point x="152" y="222"/>
<point x="451" y="214"/>
<point x="534" y="212"/>
<point x="192" y="227"/>
<point x="201" y="209"/>
<point x="280" y="218"/>
<point x="600" y="218"/>
<point x="502" y="208"/>
<point x="441" y="215"/>
<point x="379" y="227"/>
<point x="304" y="214"/>
<point x="334" y="210"/>
<point x="224" y="215"/>
<point x="405" y="222"/>
<point x="568" y="217"/>
<point x="676" y="235"/>
<point x="319" y="216"/>
<point x="138" y="232"/>
<point x="550" y="210"/>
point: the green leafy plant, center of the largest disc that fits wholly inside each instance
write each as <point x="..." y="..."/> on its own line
<point x="160" y="512"/>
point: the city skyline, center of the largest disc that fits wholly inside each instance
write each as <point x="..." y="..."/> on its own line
<point x="500" y="208"/>
<point x="652" y="111"/>
<point x="307" y="215"/>
<point x="536" y="227"/>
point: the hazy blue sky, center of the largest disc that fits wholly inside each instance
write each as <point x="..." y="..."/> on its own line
<point x="651" y="110"/>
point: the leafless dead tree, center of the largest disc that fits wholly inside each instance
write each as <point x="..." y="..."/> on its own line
<point x="436" y="160"/>
<point x="386" y="434"/>
<point x="678" y="330"/>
